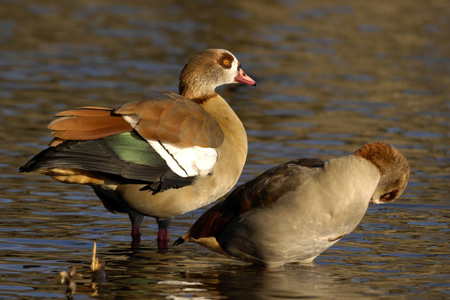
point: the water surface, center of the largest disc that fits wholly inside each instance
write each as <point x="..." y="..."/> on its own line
<point x="332" y="76"/>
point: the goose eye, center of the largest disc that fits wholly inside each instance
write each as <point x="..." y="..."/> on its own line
<point x="389" y="196"/>
<point x="226" y="61"/>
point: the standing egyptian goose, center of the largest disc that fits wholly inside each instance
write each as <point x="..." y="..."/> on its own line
<point x="295" y="211"/>
<point x="160" y="157"/>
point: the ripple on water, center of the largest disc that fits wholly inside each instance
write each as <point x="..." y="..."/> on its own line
<point x="331" y="77"/>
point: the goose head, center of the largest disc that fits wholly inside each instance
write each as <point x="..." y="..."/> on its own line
<point x="208" y="70"/>
<point x="393" y="167"/>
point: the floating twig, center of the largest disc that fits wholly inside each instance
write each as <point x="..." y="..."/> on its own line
<point x="98" y="269"/>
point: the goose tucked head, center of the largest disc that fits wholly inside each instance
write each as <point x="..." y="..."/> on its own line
<point x="393" y="167"/>
<point x="208" y="70"/>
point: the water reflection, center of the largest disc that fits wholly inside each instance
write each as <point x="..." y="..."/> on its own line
<point x="332" y="76"/>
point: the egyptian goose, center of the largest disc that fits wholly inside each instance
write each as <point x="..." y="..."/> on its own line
<point x="295" y="211"/>
<point x="160" y="157"/>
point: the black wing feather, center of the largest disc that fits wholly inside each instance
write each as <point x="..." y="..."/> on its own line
<point x="98" y="156"/>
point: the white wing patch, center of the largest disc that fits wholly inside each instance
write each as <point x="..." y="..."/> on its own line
<point x="131" y="119"/>
<point x="185" y="162"/>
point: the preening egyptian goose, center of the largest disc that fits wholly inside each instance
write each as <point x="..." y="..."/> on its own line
<point x="295" y="211"/>
<point x="160" y="157"/>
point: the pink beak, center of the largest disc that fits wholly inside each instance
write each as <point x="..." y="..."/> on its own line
<point x="241" y="77"/>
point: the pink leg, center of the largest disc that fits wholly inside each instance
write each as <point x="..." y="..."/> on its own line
<point x="136" y="221"/>
<point x="135" y="234"/>
<point x="163" y="239"/>
<point x="163" y="234"/>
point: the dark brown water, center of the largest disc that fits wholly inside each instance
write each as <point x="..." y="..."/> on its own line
<point x="332" y="76"/>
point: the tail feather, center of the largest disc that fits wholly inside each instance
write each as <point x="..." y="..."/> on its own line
<point x="179" y="241"/>
<point x="88" y="123"/>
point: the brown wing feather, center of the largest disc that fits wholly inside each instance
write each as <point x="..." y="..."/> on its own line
<point x="173" y="119"/>
<point x="86" y="111"/>
<point x="176" y="120"/>
<point x="87" y="123"/>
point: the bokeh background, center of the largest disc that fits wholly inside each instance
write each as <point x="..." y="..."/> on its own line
<point x="332" y="76"/>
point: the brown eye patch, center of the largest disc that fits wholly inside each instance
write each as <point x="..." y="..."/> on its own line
<point x="389" y="196"/>
<point x="226" y="60"/>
